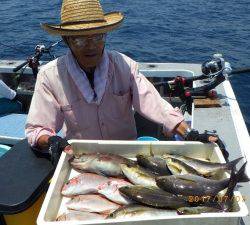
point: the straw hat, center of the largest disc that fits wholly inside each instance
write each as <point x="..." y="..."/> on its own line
<point x="84" y="17"/>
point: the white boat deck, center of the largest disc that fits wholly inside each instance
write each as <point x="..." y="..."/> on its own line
<point x="227" y="120"/>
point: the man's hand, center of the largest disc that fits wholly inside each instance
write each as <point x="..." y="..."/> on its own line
<point x="68" y="149"/>
<point x="56" y="146"/>
<point x="206" y="137"/>
<point x="212" y="138"/>
<point x="194" y="135"/>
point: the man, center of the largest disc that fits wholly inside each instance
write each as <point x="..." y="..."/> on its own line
<point x="90" y="91"/>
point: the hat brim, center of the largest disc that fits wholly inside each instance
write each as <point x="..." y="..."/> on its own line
<point x="112" y="21"/>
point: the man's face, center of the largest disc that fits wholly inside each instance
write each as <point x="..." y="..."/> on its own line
<point x="87" y="49"/>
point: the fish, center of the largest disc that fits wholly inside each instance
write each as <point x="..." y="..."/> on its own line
<point x="193" y="185"/>
<point x="85" y="183"/>
<point x="155" y="164"/>
<point x="153" y="196"/>
<point x="196" y="166"/>
<point x="177" y="167"/>
<point x="197" y="210"/>
<point x="92" y="203"/>
<point x="72" y="215"/>
<point x="135" y="211"/>
<point x="106" y="164"/>
<point x="110" y="190"/>
<point x="138" y="175"/>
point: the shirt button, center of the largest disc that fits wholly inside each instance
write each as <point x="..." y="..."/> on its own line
<point x="102" y="124"/>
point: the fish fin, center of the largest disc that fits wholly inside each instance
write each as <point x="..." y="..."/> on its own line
<point x="101" y="173"/>
<point x="173" y="169"/>
<point x="186" y="179"/>
<point x="188" y="168"/>
<point x="151" y="151"/>
<point x="232" y="164"/>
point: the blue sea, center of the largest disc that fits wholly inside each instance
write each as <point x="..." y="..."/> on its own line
<point x="153" y="31"/>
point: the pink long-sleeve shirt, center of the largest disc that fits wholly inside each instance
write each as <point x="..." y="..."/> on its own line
<point x="63" y="99"/>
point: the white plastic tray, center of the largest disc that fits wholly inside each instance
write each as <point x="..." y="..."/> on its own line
<point x="54" y="203"/>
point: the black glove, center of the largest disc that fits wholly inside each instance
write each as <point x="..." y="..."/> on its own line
<point x="194" y="135"/>
<point x="222" y="147"/>
<point x="56" y="146"/>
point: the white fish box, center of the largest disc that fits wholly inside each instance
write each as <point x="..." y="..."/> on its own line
<point x="54" y="203"/>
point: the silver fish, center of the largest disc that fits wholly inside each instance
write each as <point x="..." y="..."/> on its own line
<point x="197" y="210"/>
<point x="196" y="166"/>
<point x="177" y="167"/>
<point x="110" y="190"/>
<point x="138" y="175"/>
<point x="92" y="203"/>
<point x="101" y="163"/>
<point x="77" y="216"/>
<point x="83" y="184"/>
<point x="153" y="196"/>
<point x="193" y="185"/>
<point x="156" y="164"/>
<point x="135" y="211"/>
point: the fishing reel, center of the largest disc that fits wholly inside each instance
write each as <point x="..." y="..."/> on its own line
<point x="33" y="61"/>
<point x="40" y="48"/>
<point x="215" y="66"/>
<point x="210" y="69"/>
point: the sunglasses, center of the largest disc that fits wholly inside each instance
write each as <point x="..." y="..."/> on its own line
<point x="82" y="41"/>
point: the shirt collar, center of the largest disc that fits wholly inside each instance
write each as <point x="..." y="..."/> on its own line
<point x="79" y="77"/>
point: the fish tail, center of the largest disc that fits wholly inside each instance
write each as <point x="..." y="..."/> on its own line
<point x="235" y="177"/>
<point x="241" y="175"/>
<point x="232" y="164"/>
<point x="228" y="205"/>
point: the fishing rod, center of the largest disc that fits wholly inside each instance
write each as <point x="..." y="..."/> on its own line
<point x="210" y="69"/>
<point x="215" y="71"/>
<point x="33" y="61"/>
